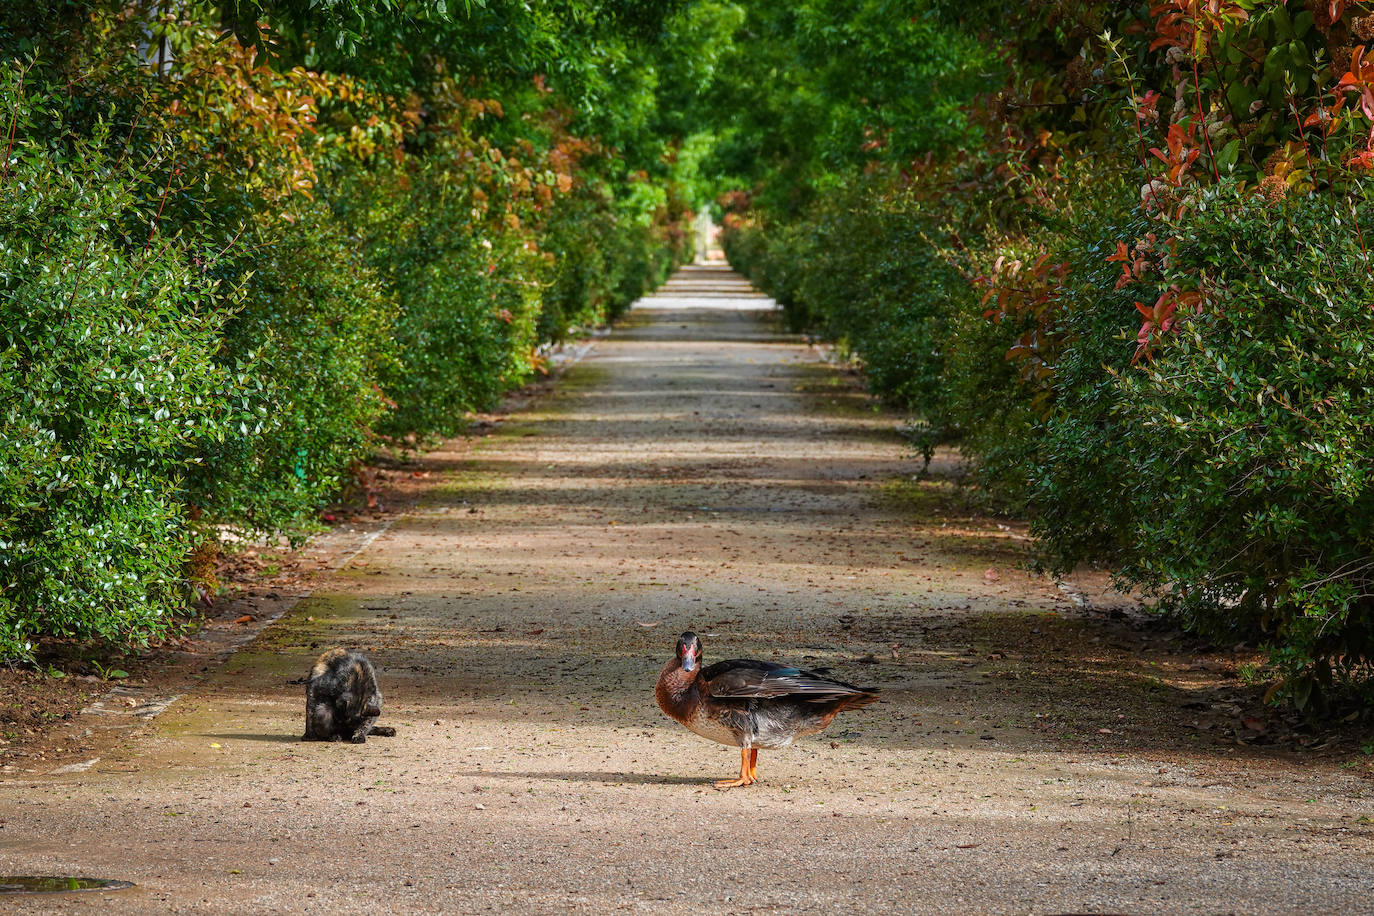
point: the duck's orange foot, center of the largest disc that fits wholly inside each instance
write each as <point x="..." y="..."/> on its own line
<point x="748" y="765"/>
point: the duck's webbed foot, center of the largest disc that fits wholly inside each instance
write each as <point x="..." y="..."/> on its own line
<point x="748" y="770"/>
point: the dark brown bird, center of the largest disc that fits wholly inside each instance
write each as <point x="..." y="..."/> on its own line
<point x="750" y="704"/>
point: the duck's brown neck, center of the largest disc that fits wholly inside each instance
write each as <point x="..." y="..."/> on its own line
<point x="677" y="691"/>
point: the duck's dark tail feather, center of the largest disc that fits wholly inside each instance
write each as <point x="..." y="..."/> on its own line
<point x="862" y="697"/>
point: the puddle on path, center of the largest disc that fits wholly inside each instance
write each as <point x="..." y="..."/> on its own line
<point x="58" y="884"/>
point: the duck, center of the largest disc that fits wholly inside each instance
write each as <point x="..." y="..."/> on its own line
<point x="750" y="704"/>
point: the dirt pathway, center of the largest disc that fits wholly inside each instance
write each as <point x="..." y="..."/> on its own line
<point x="701" y="470"/>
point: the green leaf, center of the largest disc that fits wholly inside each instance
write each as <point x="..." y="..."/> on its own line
<point x="1226" y="159"/>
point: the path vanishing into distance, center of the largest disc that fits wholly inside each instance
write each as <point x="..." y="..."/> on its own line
<point x="1038" y="750"/>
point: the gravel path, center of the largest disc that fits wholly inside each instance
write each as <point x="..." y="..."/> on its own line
<point x="699" y="469"/>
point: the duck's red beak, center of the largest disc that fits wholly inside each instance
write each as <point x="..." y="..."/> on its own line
<point x="689" y="658"/>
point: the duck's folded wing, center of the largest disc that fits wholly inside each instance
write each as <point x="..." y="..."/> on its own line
<point x="738" y="677"/>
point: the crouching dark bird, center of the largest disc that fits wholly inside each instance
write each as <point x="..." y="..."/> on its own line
<point x="342" y="699"/>
<point x="750" y="704"/>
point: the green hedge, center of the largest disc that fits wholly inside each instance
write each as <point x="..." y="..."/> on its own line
<point x="1249" y="433"/>
<point x="111" y="391"/>
<point x="314" y="333"/>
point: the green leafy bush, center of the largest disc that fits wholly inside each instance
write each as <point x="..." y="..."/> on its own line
<point x="468" y="295"/>
<point x="109" y="334"/>
<point x="1066" y="452"/>
<point x="1213" y="455"/>
<point x="1250" y="427"/>
<point x="582" y="237"/>
<point x="314" y="333"/>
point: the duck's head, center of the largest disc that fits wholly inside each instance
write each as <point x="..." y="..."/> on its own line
<point x="689" y="651"/>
